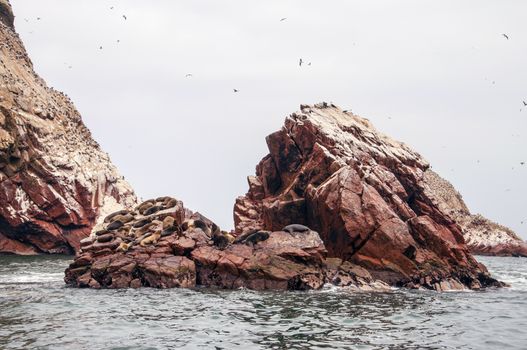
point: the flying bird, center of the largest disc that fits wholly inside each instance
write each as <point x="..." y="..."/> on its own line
<point x="235" y="90"/>
<point x="524" y="103"/>
<point x="188" y="76"/>
<point x="38" y="18"/>
<point x="300" y="63"/>
<point x="506" y="36"/>
<point x="100" y="47"/>
<point x="522" y="163"/>
<point x="283" y="19"/>
<point x="111" y="8"/>
<point x="125" y="17"/>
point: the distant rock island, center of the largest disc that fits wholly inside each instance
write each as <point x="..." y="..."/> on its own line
<point x="55" y="181"/>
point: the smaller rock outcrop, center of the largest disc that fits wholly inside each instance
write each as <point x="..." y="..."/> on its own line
<point x="161" y="244"/>
<point x="482" y="236"/>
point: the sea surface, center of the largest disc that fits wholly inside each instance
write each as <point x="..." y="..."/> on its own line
<point x="38" y="312"/>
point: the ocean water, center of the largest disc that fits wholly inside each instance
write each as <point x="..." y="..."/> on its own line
<point x="38" y="312"/>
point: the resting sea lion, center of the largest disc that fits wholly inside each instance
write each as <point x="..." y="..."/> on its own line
<point x="152" y="210"/>
<point x="162" y="199"/>
<point x="114" y="225"/>
<point x="101" y="232"/>
<point x="123" y="247"/>
<point x="141" y="223"/>
<point x="123" y="218"/>
<point x="168" y="221"/>
<point x="144" y="206"/>
<point x="152" y="239"/>
<point x="170" y="203"/>
<point x="253" y="237"/>
<point x="257" y="237"/>
<point x="191" y="224"/>
<point x="222" y="239"/>
<point x="105" y="238"/>
<point x="113" y="215"/>
<point x="296" y="228"/>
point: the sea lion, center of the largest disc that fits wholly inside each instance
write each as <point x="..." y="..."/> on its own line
<point x="169" y="231"/>
<point x="296" y="228"/>
<point x="253" y="237"/>
<point x="113" y="215"/>
<point x="152" y="210"/>
<point x="105" y="238"/>
<point x="192" y="224"/>
<point x="144" y="206"/>
<point x="151" y="239"/>
<point x="162" y="199"/>
<point x="123" y="218"/>
<point x="123" y="247"/>
<point x="114" y="225"/>
<point x="101" y="232"/>
<point x="170" y="203"/>
<point x="256" y="237"/>
<point x="222" y="239"/>
<point x="168" y="221"/>
<point x="141" y="223"/>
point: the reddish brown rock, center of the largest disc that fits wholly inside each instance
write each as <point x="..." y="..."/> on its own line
<point x="55" y="181"/>
<point x="365" y="194"/>
<point x="187" y="256"/>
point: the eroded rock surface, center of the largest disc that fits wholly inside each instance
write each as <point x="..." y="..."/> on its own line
<point x="161" y="244"/>
<point x="55" y="181"/>
<point x="365" y="194"/>
<point x="482" y="235"/>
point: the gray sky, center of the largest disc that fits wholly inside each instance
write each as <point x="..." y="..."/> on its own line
<point x="441" y="70"/>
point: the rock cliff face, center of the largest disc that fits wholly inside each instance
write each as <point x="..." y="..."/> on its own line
<point x="481" y="235"/>
<point x="365" y="194"/>
<point x="55" y="182"/>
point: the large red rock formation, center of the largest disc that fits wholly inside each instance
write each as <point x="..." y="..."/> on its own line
<point x="366" y="196"/>
<point x="55" y="182"/>
<point x="482" y="235"/>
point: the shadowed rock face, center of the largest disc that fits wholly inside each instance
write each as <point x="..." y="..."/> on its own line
<point x="365" y="195"/>
<point x="55" y="182"/>
<point x="481" y="235"/>
<point x="163" y="245"/>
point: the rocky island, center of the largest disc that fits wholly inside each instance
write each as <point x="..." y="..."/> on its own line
<point x="335" y="201"/>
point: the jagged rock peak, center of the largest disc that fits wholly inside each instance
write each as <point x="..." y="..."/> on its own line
<point x="364" y="193"/>
<point x="55" y="181"/>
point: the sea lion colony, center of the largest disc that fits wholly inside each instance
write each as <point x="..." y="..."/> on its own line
<point x="161" y="244"/>
<point x="155" y="219"/>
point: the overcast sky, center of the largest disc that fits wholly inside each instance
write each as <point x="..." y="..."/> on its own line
<point x="438" y="75"/>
